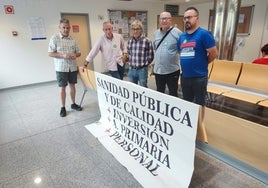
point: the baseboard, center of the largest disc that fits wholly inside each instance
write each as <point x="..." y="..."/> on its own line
<point x="244" y="167"/>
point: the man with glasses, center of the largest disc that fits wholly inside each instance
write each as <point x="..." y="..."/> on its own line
<point x="166" y="62"/>
<point x="197" y="49"/>
<point x="140" y="55"/>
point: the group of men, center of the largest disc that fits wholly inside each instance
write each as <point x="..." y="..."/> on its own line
<point x="175" y="53"/>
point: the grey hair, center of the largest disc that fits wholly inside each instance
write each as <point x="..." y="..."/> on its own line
<point x="137" y="23"/>
<point x="64" y="20"/>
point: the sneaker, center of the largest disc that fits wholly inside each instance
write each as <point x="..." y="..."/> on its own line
<point x="62" y="112"/>
<point x="76" y="107"/>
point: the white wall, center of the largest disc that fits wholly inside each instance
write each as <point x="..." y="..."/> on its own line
<point x="258" y="35"/>
<point x="24" y="61"/>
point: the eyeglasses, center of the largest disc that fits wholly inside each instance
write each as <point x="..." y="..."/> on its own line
<point x="188" y="17"/>
<point x="164" y="18"/>
<point x="135" y="29"/>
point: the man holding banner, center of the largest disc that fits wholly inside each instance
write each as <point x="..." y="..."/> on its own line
<point x="112" y="47"/>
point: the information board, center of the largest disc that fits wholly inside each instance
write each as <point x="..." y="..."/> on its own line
<point x="122" y="19"/>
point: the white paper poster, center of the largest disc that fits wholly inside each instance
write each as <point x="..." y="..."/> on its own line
<point x="37" y="28"/>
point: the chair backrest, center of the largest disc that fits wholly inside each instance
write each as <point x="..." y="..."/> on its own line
<point x="210" y="67"/>
<point x="254" y="76"/>
<point x="225" y="71"/>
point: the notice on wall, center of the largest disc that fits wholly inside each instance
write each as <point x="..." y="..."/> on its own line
<point x="122" y="19"/>
<point x="37" y="28"/>
<point x="241" y="18"/>
<point x="75" y="28"/>
<point x="152" y="134"/>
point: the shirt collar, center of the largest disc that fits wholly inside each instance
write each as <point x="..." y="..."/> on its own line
<point x="108" y="38"/>
<point x="167" y="30"/>
<point x="138" y="38"/>
<point x="61" y="36"/>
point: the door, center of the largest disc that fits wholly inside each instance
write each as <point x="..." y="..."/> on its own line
<point x="80" y="31"/>
<point x="177" y="21"/>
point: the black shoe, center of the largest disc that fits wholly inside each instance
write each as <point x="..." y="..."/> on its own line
<point x="76" y="107"/>
<point x="62" y="112"/>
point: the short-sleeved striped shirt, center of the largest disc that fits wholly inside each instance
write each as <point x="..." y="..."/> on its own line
<point x="63" y="45"/>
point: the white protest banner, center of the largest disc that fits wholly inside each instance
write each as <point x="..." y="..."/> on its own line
<point x="152" y="134"/>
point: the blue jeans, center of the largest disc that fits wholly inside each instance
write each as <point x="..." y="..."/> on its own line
<point x="119" y="74"/>
<point x="138" y="76"/>
<point x="195" y="89"/>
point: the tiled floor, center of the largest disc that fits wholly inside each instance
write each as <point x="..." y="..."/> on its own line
<point x="37" y="145"/>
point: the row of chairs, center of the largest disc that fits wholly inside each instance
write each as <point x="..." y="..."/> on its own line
<point x="238" y="80"/>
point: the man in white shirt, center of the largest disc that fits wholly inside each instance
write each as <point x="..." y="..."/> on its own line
<point x="112" y="47"/>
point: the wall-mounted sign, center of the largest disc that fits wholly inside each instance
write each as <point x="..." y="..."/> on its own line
<point x="75" y="28"/>
<point x="9" y="9"/>
<point x="37" y="28"/>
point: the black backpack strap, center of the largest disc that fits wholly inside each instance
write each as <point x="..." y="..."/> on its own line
<point x="163" y="38"/>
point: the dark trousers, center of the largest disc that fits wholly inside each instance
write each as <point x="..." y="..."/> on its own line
<point x="171" y="80"/>
<point x="119" y="74"/>
<point x="195" y="89"/>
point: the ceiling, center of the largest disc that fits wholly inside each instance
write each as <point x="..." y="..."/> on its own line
<point x="185" y="2"/>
